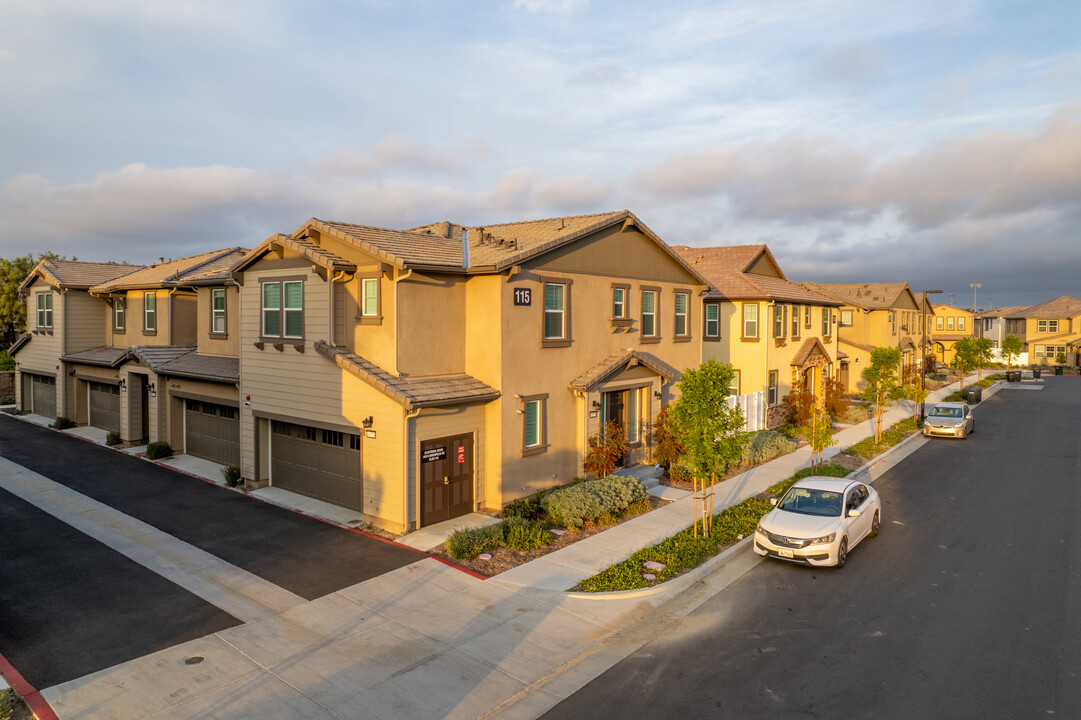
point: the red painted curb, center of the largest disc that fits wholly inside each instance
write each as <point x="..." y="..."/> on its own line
<point x="26" y="691"/>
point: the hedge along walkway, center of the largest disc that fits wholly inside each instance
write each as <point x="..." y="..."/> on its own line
<point x="569" y="566"/>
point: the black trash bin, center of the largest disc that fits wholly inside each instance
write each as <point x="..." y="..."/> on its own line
<point x="973" y="394"/>
<point x="1036" y="373"/>
<point x="1058" y="369"/>
<point x="1013" y="376"/>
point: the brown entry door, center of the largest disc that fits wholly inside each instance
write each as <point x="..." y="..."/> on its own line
<point x="615" y="410"/>
<point x="446" y="478"/>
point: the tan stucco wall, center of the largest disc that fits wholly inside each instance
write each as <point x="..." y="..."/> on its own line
<point x="207" y="344"/>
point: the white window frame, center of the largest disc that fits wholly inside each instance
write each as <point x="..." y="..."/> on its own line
<point x="715" y="321"/>
<point x="619" y="303"/>
<point x="750" y="321"/>
<point x="848" y="322"/>
<point x="369" y="307"/>
<point x="537" y="406"/>
<point x="120" y="313"/>
<point x="651" y="315"/>
<point x="771" y="395"/>
<point x="150" y="311"/>
<point x="682" y="318"/>
<point x="560" y="312"/>
<point x="826" y="322"/>
<point x="45" y="310"/>
<point x="217" y="316"/>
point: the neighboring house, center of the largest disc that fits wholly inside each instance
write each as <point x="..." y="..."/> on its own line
<point x="1050" y="329"/>
<point x="949" y="325"/>
<point x="777" y="334"/>
<point x="62" y="318"/>
<point x="997" y="324"/>
<point x="873" y="315"/>
<point x="418" y="375"/>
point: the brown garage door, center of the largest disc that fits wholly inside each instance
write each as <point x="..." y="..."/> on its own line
<point x="212" y="432"/>
<point x="323" y="464"/>
<point x="39" y="394"/>
<point x="104" y="406"/>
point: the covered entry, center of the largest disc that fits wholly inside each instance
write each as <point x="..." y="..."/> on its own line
<point x="317" y="462"/>
<point x="103" y="400"/>
<point x="446" y="471"/>
<point x="212" y="432"/>
<point x="39" y="394"/>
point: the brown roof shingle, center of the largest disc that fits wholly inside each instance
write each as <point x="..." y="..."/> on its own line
<point x="202" y="269"/>
<point x="726" y="267"/>
<point x="872" y="296"/>
<point x="617" y="361"/>
<point x="77" y="274"/>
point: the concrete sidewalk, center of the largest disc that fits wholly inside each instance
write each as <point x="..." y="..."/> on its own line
<point x="428" y="641"/>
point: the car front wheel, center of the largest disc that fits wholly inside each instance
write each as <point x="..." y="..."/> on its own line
<point x="842" y="553"/>
<point x="876" y="523"/>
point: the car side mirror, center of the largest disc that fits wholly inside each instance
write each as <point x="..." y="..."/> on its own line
<point x="854" y="513"/>
<point x="773" y="501"/>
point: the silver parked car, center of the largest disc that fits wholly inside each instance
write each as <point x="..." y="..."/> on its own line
<point x="952" y="419"/>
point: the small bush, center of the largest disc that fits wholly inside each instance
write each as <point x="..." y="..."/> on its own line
<point x="527" y="508"/>
<point x="7" y="363"/>
<point x="158" y="450"/>
<point x="799" y="405"/>
<point x="680" y="473"/>
<point x="113" y="438"/>
<point x="7" y="399"/>
<point x="572" y="506"/>
<point x="605" y="451"/>
<point x="766" y="445"/>
<point x="819" y="471"/>
<point x="63" y="423"/>
<point x="788" y="430"/>
<point x="12" y="706"/>
<point x="667" y="447"/>
<point x="467" y="543"/>
<point x="837" y="403"/>
<point x="521" y="534"/>
<point x="231" y="473"/>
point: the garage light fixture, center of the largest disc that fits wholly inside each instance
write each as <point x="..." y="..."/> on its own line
<point x="367" y="422"/>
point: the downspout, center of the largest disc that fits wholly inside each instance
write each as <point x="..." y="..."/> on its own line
<point x="407" y="447"/>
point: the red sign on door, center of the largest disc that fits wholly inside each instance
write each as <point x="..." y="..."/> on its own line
<point x="461" y="453"/>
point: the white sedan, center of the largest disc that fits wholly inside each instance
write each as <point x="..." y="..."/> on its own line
<point x="818" y="521"/>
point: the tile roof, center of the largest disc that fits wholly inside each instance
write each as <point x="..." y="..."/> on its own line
<point x="1059" y="336"/>
<point x="1060" y="307"/>
<point x="155" y="356"/>
<point x="1004" y="312"/>
<point x="304" y="248"/>
<point x="962" y="311"/>
<point x="861" y="346"/>
<point x="726" y="267"/>
<point x="202" y="367"/>
<point x="76" y="274"/>
<point x="618" y="361"/>
<point x="104" y="355"/>
<point x="871" y="296"/>
<point x="20" y="342"/>
<point x="206" y="268"/>
<point x="811" y="346"/>
<point x="411" y="392"/>
<point x="401" y="248"/>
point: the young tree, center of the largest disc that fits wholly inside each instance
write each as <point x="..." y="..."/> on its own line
<point x="915" y="391"/>
<point x="1060" y="359"/>
<point x="819" y="435"/>
<point x="881" y="379"/>
<point x="965" y="358"/>
<point x="1011" y="348"/>
<point x="605" y="450"/>
<point x="668" y="449"/>
<point x="709" y="429"/>
<point x="981" y="350"/>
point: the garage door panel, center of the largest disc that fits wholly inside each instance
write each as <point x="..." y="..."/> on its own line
<point x="42" y="394"/>
<point x="322" y="464"/>
<point x="104" y="406"/>
<point x="212" y="432"/>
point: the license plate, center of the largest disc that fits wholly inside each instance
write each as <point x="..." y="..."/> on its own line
<point x="784" y="552"/>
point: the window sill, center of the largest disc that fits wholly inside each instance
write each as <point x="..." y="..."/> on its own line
<point x="682" y="338"/>
<point x="555" y="343"/>
<point x="119" y="331"/>
<point x="218" y="336"/>
<point x="369" y="319"/>
<point x="538" y="450"/>
<point x="279" y="343"/>
<point x="150" y="333"/>
<point x="750" y="339"/>
<point x="651" y="340"/>
<point x="711" y="339"/>
<point x="621" y="322"/>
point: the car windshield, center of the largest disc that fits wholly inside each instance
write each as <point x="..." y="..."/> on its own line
<point x="946" y="412"/>
<point x="808" y="501"/>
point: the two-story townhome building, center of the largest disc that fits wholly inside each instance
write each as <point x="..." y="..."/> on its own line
<point x="1051" y="329"/>
<point x="165" y="342"/>
<point x="776" y="334"/>
<point x="873" y="315"/>
<point x="997" y="324"/>
<point x="62" y="318"/>
<point x="949" y="325"/>
<point x="419" y="375"/>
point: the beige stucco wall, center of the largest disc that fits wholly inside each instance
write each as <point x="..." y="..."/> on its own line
<point x="208" y="344"/>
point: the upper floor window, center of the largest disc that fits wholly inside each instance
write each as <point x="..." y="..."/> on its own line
<point x="713" y="320"/>
<point x="795" y="321"/>
<point x="682" y="307"/>
<point x="150" y="312"/>
<point x="217" y="310"/>
<point x="987" y="323"/>
<point x="45" y="310"/>
<point x="826" y="322"/>
<point x="619" y="302"/>
<point x="369" y="301"/>
<point x="807" y="316"/>
<point x="1047" y="326"/>
<point x="961" y="323"/>
<point x="778" y="320"/>
<point x="649" y="314"/>
<point x="750" y="320"/>
<point x="949" y="323"/>
<point x="283" y="309"/>
<point x="893" y="322"/>
<point x="555" y="311"/>
<point x="119" y="313"/>
<point x="938" y="323"/>
<point x="772" y="395"/>
<point x="846" y="318"/>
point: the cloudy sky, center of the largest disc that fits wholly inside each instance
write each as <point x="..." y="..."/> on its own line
<point x="936" y="143"/>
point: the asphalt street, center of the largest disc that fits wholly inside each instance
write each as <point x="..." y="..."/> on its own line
<point x="968" y="605"/>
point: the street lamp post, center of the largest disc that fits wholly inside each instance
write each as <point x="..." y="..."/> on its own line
<point x="975" y="287"/>
<point x="923" y="349"/>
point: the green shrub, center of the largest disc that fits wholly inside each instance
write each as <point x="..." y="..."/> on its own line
<point x="7" y="399"/>
<point x="7" y="362"/>
<point x="113" y="438"/>
<point x="158" y="450"/>
<point x="467" y="543"/>
<point x="231" y="473"/>
<point x="937" y="377"/>
<point x="529" y="508"/>
<point x="788" y="430"/>
<point x="572" y="506"/>
<point x="680" y="473"/>
<point x="766" y="445"/>
<point x="12" y="706"/>
<point x="819" y="471"/>
<point x="522" y="534"/>
<point x="605" y="450"/>
<point x="63" y="423"/>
